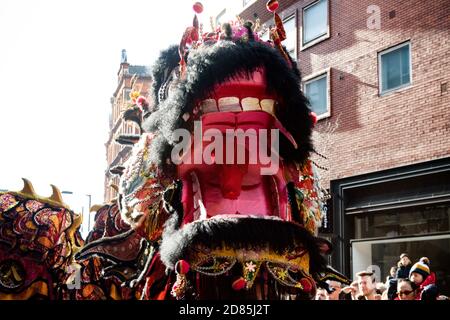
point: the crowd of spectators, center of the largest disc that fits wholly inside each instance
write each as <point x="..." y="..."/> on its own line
<point x="406" y="281"/>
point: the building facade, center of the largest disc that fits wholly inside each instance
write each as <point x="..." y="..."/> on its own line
<point x="129" y="78"/>
<point x="377" y="75"/>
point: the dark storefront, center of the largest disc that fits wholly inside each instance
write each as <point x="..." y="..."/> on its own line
<point x="377" y="216"/>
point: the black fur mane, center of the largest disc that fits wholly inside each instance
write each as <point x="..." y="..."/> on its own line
<point x="217" y="63"/>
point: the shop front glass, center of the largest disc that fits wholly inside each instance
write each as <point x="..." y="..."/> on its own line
<point x="380" y="238"/>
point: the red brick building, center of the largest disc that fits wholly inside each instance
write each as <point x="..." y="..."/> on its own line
<point x="377" y="73"/>
<point x="117" y="154"/>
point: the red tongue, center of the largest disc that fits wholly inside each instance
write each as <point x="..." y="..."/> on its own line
<point x="231" y="180"/>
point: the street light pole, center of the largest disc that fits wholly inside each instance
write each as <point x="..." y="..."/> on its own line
<point x="89" y="213"/>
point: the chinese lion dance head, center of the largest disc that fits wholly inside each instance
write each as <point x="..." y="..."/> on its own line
<point x="223" y="220"/>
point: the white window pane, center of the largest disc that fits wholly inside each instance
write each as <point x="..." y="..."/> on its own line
<point x="291" y="35"/>
<point x="126" y="95"/>
<point x="405" y="72"/>
<point x="316" y="92"/>
<point x="220" y="17"/>
<point x="391" y="70"/>
<point x="265" y="36"/>
<point x="315" y="21"/>
<point x="395" y="70"/>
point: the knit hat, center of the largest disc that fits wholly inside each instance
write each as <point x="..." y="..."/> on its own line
<point x="422" y="267"/>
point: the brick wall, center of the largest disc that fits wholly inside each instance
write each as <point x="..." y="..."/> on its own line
<point x="375" y="132"/>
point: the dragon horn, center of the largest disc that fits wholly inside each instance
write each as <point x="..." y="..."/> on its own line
<point x="28" y="188"/>
<point x="95" y="208"/>
<point x="56" y="196"/>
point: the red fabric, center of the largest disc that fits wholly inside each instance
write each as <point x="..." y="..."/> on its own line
<point x="431" y="279"/>
<point x="222" y="184"/>
<point x="157" y="273"/>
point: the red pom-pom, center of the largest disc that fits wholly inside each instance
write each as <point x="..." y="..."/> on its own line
<point x="306" y="284"/>
<point x="272" y="5"/>
<point x="182" y="267"/>
<point x="239" y="284"/>
<point x="141" y="102"/>
<point x="313" y="116"/>
<point x="198" y="7"/>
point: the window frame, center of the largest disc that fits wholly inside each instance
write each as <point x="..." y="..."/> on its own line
<point x="320" y="38"/>
<point x="317" y="76"/>
<point x="382" y="92"/>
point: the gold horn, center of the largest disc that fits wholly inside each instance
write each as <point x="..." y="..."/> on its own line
<point x="56" y="196"/>
<point x="115" y="187"/>
<point x="28" y="189"/>
<point x="95" y="208"/>
<point x="77" y="221"/>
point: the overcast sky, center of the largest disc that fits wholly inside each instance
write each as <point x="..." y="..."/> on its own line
<point x="58" y="70"/>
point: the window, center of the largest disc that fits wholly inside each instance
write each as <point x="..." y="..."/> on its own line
<point x="420" y="230"/>
<point x="317" y="91"/>
<point x="220" y="17"/>
<point x="315" y="27"/>
<point x="383" y="254"/>
<point x="408" y="221"/>
<point x="291" y="36"/>
<point x="265" y="36"/>
<point x="395" y="67"/>
<point x="126" y="95"/>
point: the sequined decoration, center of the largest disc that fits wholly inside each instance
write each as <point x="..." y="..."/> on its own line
<point x="214" y="266"/>
<point x="251" y="268"/>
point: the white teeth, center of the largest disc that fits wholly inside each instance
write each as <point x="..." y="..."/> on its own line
<point x="249" y="104"/>
<point x="196" y="200"/>
<point x="209" y="105"/>
<point x="229" y="104"/>
<point x="203" y="214"/>
<point x="267" y="105"/>
<point x="232" y="104"/>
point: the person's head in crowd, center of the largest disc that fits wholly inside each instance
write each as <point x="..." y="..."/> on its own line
<point x="336" y="287"/>
<point x="352" y="289"/>
<point x="393" y="271"/>
<point x="380" y="287"/>
<point x="420" y="271"/>
<point x="406" y="289"/>
<point x="367" y="285"/>
<point x="321" y="294"/>
<point x="404" y="265"/>
<point x="404" y="260"/>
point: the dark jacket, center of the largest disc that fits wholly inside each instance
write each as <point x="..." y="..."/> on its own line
<point x="392" y="289"/>
<point x="403" y="272"/>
